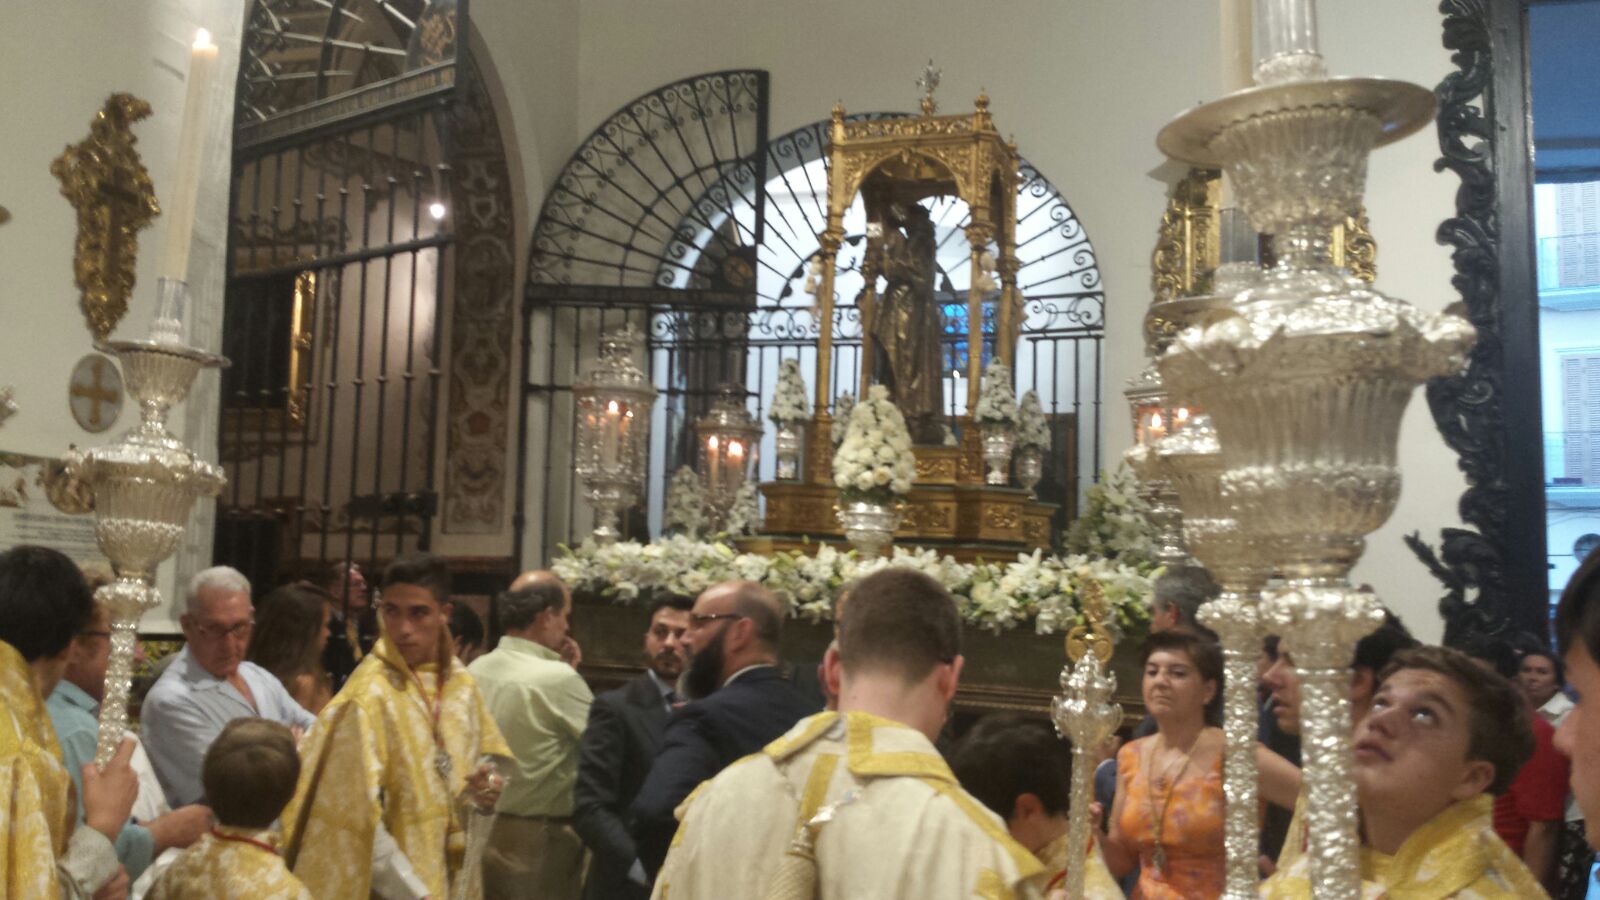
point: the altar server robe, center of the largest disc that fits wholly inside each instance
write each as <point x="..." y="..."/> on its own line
<point x="1455" y="856"/>
<point x="229" y="864"/>
<point x="371" y="757"/>
<point x="908" y="831"/>
<point x="40" y="855"/>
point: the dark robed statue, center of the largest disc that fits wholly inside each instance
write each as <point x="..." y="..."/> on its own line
<point x="903" y="332"/>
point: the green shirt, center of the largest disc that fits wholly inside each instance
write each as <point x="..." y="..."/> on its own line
<point x="541" y="705"/>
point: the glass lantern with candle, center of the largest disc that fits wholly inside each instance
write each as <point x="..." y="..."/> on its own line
<point x="727" y="435"/>
<point x="613" y="402"/>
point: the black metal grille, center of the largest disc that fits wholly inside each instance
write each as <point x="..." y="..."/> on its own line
<point x="709" y="260"/>
<point x="333" y="320"/>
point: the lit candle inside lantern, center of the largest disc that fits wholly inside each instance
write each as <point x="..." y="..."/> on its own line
<point x="736" y="458"/>
<point x="191" y="143"/>
<point x="1155" y="429"/>
<point x="610" y="434"/>
<point x="713" y="463"/>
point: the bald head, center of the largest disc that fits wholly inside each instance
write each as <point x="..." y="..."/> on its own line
<point x="751" y="601"/>
<point x="534" y="577"/>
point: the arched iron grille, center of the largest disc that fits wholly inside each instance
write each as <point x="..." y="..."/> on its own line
<point x="707" y="252"/>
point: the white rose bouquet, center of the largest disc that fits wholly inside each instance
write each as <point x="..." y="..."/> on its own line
<point x="875" y="464"/>
<point x="997" y="402"/>
<point x="1032" y="428"/>
<point x="789" y="403"/>
<point x="744" y="517"/>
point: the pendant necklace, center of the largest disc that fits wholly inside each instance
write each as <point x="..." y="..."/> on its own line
<point x="441" y="758"/>
<point x="1158" y="820"/>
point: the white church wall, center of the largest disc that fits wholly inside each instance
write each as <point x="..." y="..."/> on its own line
<point x="59" y="61"/>
<point x="1084" y="87"/>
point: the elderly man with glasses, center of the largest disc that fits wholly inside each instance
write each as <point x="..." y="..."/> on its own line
<point x="209" y="685"/>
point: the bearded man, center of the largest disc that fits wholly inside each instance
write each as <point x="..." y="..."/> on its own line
<point x="742" y="701"/>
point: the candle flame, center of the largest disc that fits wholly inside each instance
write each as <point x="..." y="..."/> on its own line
<point x="1155" y="420"/>
<point x="1182" y="414"/>
<point x="613" y="408"/>
<point x="735" y="448"/>
<point x="712" y="442"/>
<point x="202" y="40"/>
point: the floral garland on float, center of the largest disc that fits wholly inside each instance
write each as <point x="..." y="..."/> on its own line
<point x="790" y="411"/>
<point x="873" y="469"/>
<point x="1115" y="523"/>
<point x="1034" y="590"/>
<point x="996" y="415"/>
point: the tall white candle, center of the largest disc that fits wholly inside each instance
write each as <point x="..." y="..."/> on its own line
<point x="191" y="144"/>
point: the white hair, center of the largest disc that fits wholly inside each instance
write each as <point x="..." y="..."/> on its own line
<point x="225" y="578"/>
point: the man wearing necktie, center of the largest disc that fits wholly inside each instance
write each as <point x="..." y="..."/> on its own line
<point x="618" y="747"/>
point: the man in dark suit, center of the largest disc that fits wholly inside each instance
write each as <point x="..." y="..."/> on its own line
<point x="742" y="702"/>
<point x="618" y="747"/>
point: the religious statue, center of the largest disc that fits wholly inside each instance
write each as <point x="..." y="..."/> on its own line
<point x="903" y="328"/>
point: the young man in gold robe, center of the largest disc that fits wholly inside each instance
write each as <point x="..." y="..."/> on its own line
<point x="857" y="803"/>
<point x="44" y="602"/>
<point x="401" y="761"/>
<point x="249" y="774"/>
<point x="1443" y="735"/>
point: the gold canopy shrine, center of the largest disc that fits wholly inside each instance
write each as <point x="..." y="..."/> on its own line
<point x="892" y="164"/>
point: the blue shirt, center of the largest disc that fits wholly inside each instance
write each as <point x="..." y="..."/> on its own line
<point x="188" y="707"/>
<point x="75" y="717"/>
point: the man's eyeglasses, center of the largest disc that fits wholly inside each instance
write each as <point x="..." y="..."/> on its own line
<point x="707" y="618"/>
<point x="217" y="632"/>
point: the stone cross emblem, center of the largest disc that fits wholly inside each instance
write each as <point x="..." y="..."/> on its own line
<point x="95" y="393"/>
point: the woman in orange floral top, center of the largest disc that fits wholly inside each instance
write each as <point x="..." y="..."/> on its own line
<point x="1168" y="815"/>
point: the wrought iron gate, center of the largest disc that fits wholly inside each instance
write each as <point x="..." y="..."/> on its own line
<point x="338" y="251"/>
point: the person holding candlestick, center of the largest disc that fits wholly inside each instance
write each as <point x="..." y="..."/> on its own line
<point x="45" y="603"/>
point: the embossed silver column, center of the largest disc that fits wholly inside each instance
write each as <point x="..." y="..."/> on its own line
<point x="1086" y="714"/>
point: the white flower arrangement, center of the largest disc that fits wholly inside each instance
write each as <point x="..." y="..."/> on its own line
<point x="997" y="402"/>
<point x="789" y="403"/>
<point x="994" y="596"/>
<point x="1115" y="523"/>
<point x="875" y="463"/>
<point x="1033" y="430"/>
<point x="843" y="406"/>
<point x="685" y="511"/>
<point x="744" y="516"/>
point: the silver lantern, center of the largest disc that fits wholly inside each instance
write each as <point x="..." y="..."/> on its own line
<point x="613" y="402"/>
<point x="727" y="436"/>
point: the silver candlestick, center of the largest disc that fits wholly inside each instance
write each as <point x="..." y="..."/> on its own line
<point x="1086" y="714"/>
<point x="144" y="486"/>
<point x="1306" y="377"/>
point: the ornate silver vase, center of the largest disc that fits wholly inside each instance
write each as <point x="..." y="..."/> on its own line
<point x="998" y="440"/>
<point x="869" y="526"/>
<point x="144" y="486"/>
<point x="788" y="443"/>
<point x="1028" y="467"/>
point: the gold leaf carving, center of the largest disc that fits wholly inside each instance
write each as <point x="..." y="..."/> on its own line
<point x="106" y="182"/>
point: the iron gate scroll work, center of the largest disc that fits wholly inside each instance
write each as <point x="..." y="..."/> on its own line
<point x="680" y="216"/>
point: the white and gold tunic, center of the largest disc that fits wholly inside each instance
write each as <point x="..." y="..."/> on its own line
<point x="1455" y="856"/>
<point x="902" y="826"/>
<point x="229" y="864"/>
<point x="373" y="756"/>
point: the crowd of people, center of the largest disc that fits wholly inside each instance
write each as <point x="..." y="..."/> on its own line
<point x="336" y="740"/>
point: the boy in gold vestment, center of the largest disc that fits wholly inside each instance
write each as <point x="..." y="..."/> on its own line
<point x="1443" y="735"/>
<point x="857" y="803"/>
<point x="398" y="761"/>
<point x="249" y="774"/>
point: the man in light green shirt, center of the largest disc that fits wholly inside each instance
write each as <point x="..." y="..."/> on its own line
<point x="541" y="704"/>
